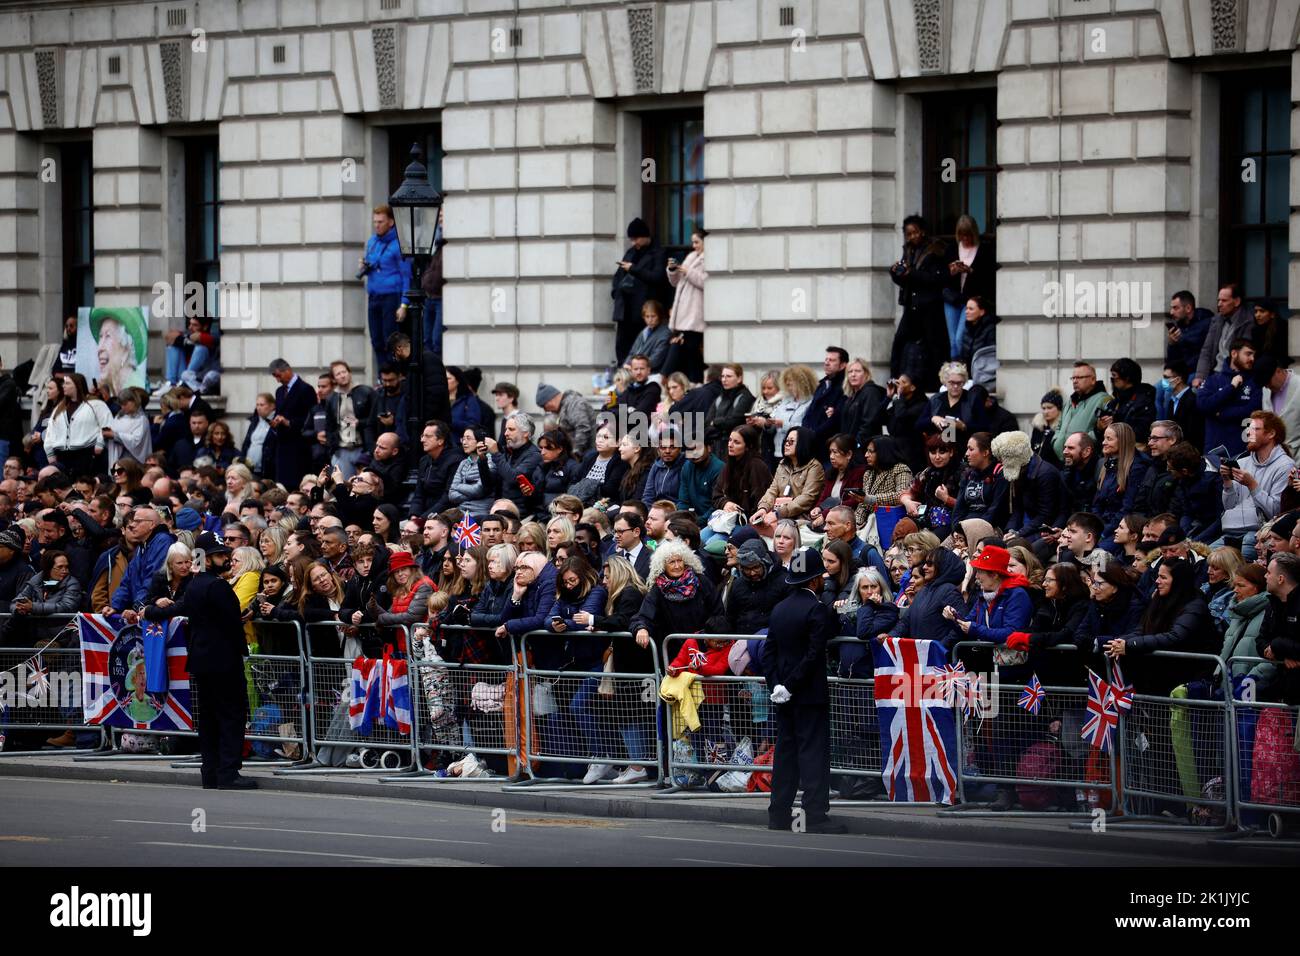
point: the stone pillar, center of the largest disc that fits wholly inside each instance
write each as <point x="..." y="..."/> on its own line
<point x="22" y="316"/>
<point x="1094" y="194"/>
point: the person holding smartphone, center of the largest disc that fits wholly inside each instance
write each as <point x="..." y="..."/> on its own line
<point x="638" y="276"/>
<point x="1253" y="485"/>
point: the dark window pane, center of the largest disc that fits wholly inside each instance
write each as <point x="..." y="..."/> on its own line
<point x="674" y="201"/>
<point x="1254" y="256"/>
<point x="1252" y="118"/>
<point x="978" y="150"/>
<point x="1279" y="119"/>
<point x="1276" y="184"/>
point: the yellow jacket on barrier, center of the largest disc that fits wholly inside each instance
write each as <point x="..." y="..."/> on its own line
<point x="684" y="696"/>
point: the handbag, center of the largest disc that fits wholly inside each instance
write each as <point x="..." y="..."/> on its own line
<point x="724" y="522"/>
<point x="1004" y="656"/>
<point x="606" y="686"/>
<point x="585" y="489"/>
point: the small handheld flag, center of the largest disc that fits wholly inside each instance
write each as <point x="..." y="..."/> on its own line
<point x="1033" y="695"/>
<point x="466" y="533"/>
<point x="1121" y="689"/>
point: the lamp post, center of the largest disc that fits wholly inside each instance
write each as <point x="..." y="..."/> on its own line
<point x="415" y="212"/>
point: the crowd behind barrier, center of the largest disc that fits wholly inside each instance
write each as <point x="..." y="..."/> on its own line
<point x="1225" y="762"/>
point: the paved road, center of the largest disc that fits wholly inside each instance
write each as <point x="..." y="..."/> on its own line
<point x="75" y="822"/>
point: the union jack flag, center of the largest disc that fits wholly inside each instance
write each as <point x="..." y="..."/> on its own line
<point x="952" y="681"/>
<point x="1033" y="695"/>
<point x="109" y="695"/>
<point x="1103" y="715"/>
<point x="466" y="533"/>
<point x="1120" y="689"/>
<point x="380" y="691"/>
<point x="917" y="724"/>
<point x="38" y="681"/>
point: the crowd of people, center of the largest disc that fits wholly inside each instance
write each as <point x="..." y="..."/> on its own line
<point x="1121" y="522"/>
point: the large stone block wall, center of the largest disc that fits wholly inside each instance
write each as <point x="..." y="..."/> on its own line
<point x="810" y="161"/>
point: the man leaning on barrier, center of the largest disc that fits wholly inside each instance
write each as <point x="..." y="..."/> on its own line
<point x="216" y="662"/>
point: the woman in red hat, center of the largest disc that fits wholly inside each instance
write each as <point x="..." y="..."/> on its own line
<point x="410" y="590"/>
<point x="1001" y="604"/>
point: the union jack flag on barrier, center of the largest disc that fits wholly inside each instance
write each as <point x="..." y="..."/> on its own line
<point x="1033" y="695"/>
<point x="918" y="729"/>
<point x="466" y="533"/>
<point x="1103" y="715"/>
<point x="380" y="691"/>
<point x="114" y="683"/>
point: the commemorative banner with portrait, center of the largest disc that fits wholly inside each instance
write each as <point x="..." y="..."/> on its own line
<point x="135" y="675"/>
<point x="113" y="347"/>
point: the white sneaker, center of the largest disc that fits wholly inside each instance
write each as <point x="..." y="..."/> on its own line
<point x="632" y="775"/>
<point x="599" y="771"/>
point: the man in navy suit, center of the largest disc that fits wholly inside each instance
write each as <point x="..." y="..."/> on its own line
<point x="294" y="400"/>
<point x="629" y="530"/>
<point x="794" y="663"/>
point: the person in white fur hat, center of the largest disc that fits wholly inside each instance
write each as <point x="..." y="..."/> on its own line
<point x="1037" y="489"/>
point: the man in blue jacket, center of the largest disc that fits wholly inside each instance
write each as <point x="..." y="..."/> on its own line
<point x="1228" y="397"/>
<point x="151" y="540"/>
<point x="665" y="475"/>
<point x="384" y="270"/>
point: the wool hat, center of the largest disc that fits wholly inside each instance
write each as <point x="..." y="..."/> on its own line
<point x="187" y="519"/>
<point x="637" y="229"/>
<point x="545" y="393"/>
<point x="1053" y="397"/>
<point x="1285" y="524"/>
<point x="1172" y="535"/>
<point x="401" y="559"/>
<point x="13" y="539"/>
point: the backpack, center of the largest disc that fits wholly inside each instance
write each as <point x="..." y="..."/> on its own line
<point x="761" y="782"/>
<point x="1042" y="761"/>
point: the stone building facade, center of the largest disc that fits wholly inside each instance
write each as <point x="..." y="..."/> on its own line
<point x="1108" y="135"/>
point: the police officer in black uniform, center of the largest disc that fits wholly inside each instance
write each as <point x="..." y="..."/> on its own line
<point x="794" y="663"/>
<point x="216" y="662"/>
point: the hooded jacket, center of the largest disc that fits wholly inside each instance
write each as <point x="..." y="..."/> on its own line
<point x="1245" y="621"/>
<point x="1079" y="415"/>
<point x="473" y="483"/>
<point x="923" y="619"/>
<point x="1244" y="509"/>
<point x="749" y="603"/>
<point x="663" y="480"/>
<point x="578" y="418"/>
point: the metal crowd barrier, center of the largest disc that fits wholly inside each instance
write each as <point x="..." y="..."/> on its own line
<point x="1179" y="751"/>
<point x="745" y="712"/>
<point x="462" y="708"/>
<point x="1041" y="756"/>
<point x="585" y="717"/>
<point x="40" y="692"/>
<point x="277" y="702"/>
<point x="1268" y="769"/>
<point x="329" y="693"/>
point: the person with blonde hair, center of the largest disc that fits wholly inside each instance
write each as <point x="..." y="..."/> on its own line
<point x="955" y="411"/>
<point x="1118" y="479"/>
<point x="239" y="486"/>
<point x="246" y="567"/>
<point x="532" y="537"/>
<point x="798" y="384"/>
<point x="863" y="413"/>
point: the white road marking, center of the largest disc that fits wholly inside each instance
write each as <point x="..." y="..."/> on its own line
<point x="360" y="858"/>
<point x="687" y="859"/>
<point x="780" y="846"/>
<point x="368" y="836"/>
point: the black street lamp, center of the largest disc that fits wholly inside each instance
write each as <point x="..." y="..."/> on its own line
<point x="415" y="212"/>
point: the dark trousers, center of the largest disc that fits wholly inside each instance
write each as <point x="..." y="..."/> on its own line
<point x="687" y="358"/>
<point x="803" y="756"/>
<point x="628" y="330"/>
<point x="382" y="316"/>
<point x="223" y="703"/>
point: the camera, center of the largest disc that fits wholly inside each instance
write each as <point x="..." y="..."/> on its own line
<point x="366" y="268"/>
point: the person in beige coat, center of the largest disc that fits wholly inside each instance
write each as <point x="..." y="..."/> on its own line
<point x="796" y="486"/>
<point x="686" y="319"/>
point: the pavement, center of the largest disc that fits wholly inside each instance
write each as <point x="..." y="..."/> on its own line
<point x="61" y="810"/>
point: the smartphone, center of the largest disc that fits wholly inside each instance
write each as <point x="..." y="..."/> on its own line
<point x="556" y="620"/>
